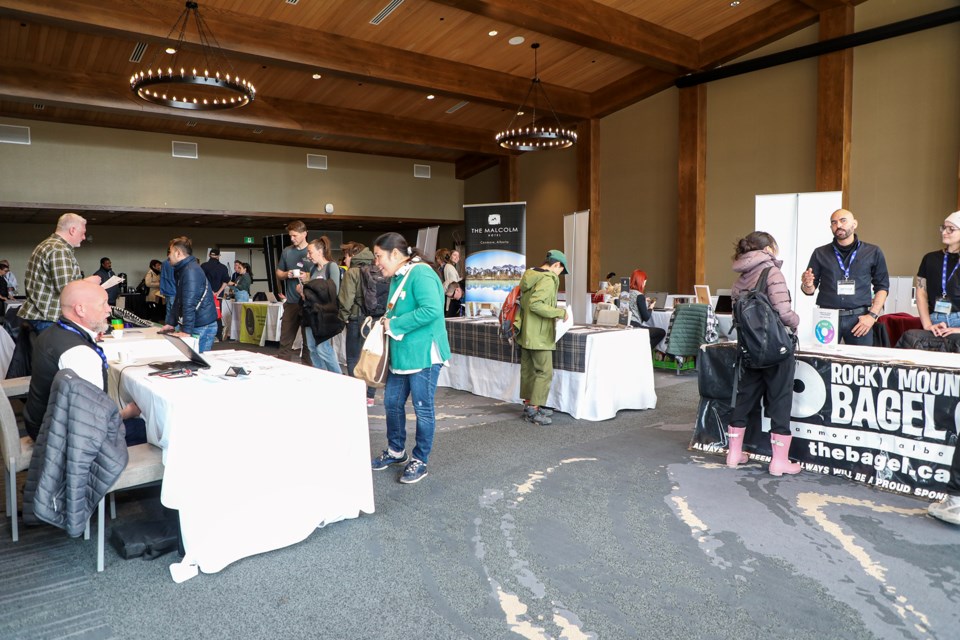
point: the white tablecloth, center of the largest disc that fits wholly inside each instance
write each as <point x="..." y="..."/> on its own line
<point x="246" y="473"/>
<point x="619" y="375"/>
<point x="7" y="345"/>
<point x="146" y="343"/>
<point x="231" y="320"/>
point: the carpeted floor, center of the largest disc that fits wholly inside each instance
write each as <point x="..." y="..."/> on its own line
<point x="579" y="530"/>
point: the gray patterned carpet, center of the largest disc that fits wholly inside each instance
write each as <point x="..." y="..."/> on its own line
<point x="581" y="530"/>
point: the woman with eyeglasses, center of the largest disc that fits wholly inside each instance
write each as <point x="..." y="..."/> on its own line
<point x="938" y="282"/>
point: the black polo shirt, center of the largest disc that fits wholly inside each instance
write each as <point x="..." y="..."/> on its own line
<point x="868" y="268"/>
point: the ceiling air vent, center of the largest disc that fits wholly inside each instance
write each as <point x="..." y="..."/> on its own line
<point x="39" y="106"/>
<point x="386" y="11"/>
<point x="258" y="131"/>
<point x="138" y="52"/>
<point x="316" y="161"/>
<point x="185" y="150"/>
<point x="11" y="134"/>
<point x="292" y="1"/>
<point x="458" y="106"/>
<point x="421" y="171"/>
<point x="191" y="123"/>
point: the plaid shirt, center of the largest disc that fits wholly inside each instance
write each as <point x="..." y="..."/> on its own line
<point x="50" y="268"/>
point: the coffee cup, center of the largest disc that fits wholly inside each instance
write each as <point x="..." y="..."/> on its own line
<point x="117" y="333"/>
<point x="125" y="357"/>
<point x="295" y="273"/>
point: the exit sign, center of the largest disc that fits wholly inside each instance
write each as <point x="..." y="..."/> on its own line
<point x="248" y="240"/>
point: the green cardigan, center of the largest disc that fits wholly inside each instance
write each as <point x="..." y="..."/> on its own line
<point x="416" y="319"/>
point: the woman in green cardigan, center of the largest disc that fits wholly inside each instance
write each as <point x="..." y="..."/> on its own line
<point x="418" y="348"/>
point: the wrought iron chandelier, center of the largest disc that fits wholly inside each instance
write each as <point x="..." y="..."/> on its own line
<point x="214" y="87"/>
<point x="534" y="137"/>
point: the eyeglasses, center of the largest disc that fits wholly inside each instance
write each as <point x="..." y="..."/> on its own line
<point x="945" y="228"/>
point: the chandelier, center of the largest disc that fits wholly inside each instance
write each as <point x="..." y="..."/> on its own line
<point x="215" y="86"/>
<point x="534" y="137"/>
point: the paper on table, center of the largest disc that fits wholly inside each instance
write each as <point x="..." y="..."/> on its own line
<point x="111" y="281"/>
<point x="564" y="325"/>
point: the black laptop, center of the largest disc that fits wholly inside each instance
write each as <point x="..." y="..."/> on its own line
<point x="724" y="304"/>
<point x="194" y="360"/>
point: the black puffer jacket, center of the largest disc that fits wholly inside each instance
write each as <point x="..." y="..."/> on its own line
<point x="78" y="456"/>
<point x="321" y="309"/>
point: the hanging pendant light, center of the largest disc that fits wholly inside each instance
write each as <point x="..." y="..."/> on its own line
<point x="216" y="86"/>
<point x="535" y="136"/>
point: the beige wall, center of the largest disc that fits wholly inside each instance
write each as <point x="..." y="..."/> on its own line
<point x="69" y="164"/>
<point x="638" y="190"/>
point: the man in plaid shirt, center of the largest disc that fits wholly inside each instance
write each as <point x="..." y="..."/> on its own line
<point x="50" y="268"/>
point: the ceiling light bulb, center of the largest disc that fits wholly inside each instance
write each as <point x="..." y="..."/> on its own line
<point x="317" y="76"/>
<point x="431" y="97"/>
<point x="492" y="33"/>
<point x="171" y="50"/>
<point x="735" y="3"/>
<point x="515" y="40"/>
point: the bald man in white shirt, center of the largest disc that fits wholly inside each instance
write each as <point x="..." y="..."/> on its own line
<point x="71" y="343"/>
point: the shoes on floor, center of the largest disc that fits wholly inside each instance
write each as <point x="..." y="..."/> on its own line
<point x="369" y="402"/>
<point x="529" y="409"/>
<point x="386" y="459"/>
<point x="415" y="471"/>
<point x="947" y="509"/>
<point x="537" y="416"/>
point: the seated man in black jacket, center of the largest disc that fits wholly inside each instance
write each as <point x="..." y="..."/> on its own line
<point x="70" y="343"/>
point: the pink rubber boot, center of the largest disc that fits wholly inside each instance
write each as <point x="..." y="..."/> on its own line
<point x="781" y="456"/>
<point x="735" y="454"/>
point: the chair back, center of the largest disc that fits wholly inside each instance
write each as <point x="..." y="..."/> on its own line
<point x="10" y="441"/>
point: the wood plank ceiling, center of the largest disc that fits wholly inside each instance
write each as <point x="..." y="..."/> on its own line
<point x="69" y="61"/>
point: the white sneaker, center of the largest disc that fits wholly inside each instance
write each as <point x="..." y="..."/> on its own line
<point x="947" y="509"/>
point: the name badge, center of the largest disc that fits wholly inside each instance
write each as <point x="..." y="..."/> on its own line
<point x="846" y="287"/>
<point x="942" y="306"/>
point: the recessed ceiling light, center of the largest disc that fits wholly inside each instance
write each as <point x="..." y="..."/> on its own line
<point x="317" y="76"/>
<point x="492" y="33"/>
<point x="431" y="97"/>
<point x="170" y="50"/>
<point x="519" y="113"/>
<point x="515" y="40"/>
<point x="735" y="3"/>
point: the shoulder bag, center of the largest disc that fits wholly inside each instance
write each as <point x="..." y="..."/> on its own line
<point x="374" y="362"/>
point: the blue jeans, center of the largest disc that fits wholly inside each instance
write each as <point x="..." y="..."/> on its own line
<point x="422" y="385"/>
<point x="952" y="319"/>
<point x="169" y="300"/>
<point x="241" y="296"/>
<point x="205" y="336"/>
<point x="321" y="355"/>
<point x="847" y="323"/>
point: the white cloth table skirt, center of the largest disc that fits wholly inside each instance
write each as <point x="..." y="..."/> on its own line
<point x="245" y="479"/>
<point x="231" y="317"/>
<point x="619" y="375"/>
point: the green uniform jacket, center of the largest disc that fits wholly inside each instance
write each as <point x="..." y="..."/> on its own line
<point x="416" y="319"/>
<point x="535" y="322"/>
<point x="350" y="286"/>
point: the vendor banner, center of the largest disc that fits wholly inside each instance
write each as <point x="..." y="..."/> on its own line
<point x="253" y="318"/>
<point x="496" y="244"/>
<point x="892" y="425"/>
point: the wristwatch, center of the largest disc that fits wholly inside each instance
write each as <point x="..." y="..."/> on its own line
<point x="873" y="315"/>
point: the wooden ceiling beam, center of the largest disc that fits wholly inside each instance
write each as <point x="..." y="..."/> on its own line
<point x="470" y="165"/>
<point x="278" y="44"/>
<point x="101" y="92"/>
<point x="628" y="90"/>
<point x="595" y="26"/>
<point x="824" y="5"/>
<point x="761" y="28"/>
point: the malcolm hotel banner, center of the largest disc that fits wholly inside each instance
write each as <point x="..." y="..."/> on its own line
<point x="496" y="244"/>
<point x="890" y="425"/>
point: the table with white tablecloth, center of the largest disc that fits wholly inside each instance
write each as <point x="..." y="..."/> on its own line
<point x="246" y="475"/>
<point x="232" y="316"/>
<point x="597" y="370"/>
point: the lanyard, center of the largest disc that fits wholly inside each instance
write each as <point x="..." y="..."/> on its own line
<point x="853" y="256"/>
<point x="944" y="277"/>
<point x="87" y="337"/>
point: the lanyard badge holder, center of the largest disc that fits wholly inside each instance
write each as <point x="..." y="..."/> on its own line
<point x="846" y="286"/>
<point x="943" y="305"/>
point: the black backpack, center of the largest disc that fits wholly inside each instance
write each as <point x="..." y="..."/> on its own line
<point x="762" y="340"/>
<point x="320" y="308"/>
<point x="373" y="291"/>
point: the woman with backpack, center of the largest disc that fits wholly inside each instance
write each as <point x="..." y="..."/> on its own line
<point x="320" y="309"/>
<point x="755" y="255"/>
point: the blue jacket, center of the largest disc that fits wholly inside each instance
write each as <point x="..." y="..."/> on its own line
<point x="168" y="285"/>
<point x="193" y="306"/>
